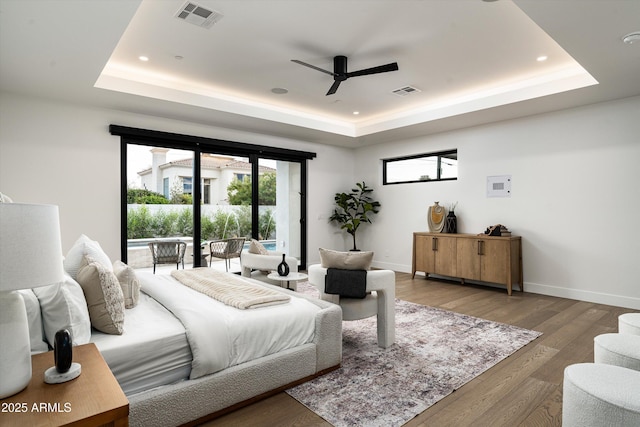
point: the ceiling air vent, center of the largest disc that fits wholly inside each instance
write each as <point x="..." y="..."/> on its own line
<point x="407" y="90"/>
<point x="198" y="15"/>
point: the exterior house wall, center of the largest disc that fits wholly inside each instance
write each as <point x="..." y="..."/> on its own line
<point x="219" y="179"/>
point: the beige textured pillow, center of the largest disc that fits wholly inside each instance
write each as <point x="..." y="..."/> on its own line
<point x="104" y="297"/>
<point x="346" y="260"/>
<point x="128" y="282"/>
<point x="257" y="248"/>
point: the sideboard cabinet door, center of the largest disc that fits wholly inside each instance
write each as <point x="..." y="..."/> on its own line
<point x="494" y="261"/>
<point x="445" y="256"/>
<point x="468" y="262"/>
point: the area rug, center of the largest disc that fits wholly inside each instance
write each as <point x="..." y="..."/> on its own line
<point x="436" y="352"/>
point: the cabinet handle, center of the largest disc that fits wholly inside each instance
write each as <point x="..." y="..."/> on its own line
<point x="434" y="244"/>
<point x="480" y="247"/>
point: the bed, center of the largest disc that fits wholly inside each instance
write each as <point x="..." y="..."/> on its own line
<point x="183" y="357"/>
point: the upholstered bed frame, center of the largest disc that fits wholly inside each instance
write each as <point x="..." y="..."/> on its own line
<point x="93" y="310"/>
<point x="194" y="401"/>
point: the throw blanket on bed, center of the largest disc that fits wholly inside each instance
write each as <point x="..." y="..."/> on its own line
<point x="228" y="289"/>
<point x="221" y="336"/>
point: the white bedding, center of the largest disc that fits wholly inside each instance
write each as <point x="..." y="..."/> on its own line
<point x="221" y="336"/>
<point x="152" y="351"/>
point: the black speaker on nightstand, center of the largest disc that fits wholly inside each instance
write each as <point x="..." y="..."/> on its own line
<point x="64" y="369"/>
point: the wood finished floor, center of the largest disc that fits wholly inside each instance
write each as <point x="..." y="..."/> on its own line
<point x="522" y="390"/>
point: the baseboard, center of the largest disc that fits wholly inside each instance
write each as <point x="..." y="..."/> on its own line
<point x="401" y="268"/>
<point x="582" y="295"/>
<point x="554" y="291"/>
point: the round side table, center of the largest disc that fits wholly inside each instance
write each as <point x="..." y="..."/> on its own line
<point x="291" y="277"/>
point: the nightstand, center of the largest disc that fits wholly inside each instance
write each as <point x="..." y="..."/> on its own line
<point x="93" y="399"/>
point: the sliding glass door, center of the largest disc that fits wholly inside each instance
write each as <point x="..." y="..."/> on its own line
<point x="196" y="194"/>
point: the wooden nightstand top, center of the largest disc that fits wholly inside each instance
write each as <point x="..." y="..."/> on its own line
<point x="94" y="398"/>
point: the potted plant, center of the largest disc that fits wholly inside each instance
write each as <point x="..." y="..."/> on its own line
<point x="354" y="209"/>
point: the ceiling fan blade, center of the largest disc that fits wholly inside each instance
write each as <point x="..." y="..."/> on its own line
<point x="312" y="66"/>
<point x="334" y="87"/>
<point x="375" y="70"/>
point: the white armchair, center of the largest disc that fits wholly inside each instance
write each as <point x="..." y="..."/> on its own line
<point x="255" y="265"/>
<point x="380" y="301"/>
<point x="607" y="391"/>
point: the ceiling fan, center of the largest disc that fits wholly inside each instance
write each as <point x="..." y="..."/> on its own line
<point x="340" y="73"/>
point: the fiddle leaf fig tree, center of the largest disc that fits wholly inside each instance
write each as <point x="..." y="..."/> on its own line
<point x="354" y="209"/>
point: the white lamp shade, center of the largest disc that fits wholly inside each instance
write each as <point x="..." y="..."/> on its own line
<point x="30" y="256"/>
<point x="30" y="246"/>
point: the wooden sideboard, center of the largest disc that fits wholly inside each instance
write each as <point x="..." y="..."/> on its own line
<point x="469" y="256"/>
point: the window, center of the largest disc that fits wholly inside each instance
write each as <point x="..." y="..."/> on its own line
<point x="440" y="166"/>
<point x="187" y="187"/>
<point x="165" y="187"/>
<point x="283" y="220"/>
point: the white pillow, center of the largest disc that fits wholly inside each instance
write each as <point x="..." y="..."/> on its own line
<point x="85" y="246"/>
<point x="128" y="282"/>
<point x="34" y="317"/>
<point x="63" y="306"/>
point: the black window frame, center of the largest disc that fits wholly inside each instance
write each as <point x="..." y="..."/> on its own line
<point x="199" y="145"/>
<point x="438" y="154"/>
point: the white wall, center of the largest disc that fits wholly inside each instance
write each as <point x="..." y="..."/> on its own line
<point x="575" y="197"/>
<point x="64" y="154"/>
<point x="575" y="186"/>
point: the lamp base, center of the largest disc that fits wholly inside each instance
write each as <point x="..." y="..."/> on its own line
<point x="15" y="348"/>
<point x="52" y="376"/>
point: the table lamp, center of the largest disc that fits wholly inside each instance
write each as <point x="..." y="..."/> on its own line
<point x="30" y="256"/>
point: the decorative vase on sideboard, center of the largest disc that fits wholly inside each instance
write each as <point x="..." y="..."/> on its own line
<point x="451" y="223"/>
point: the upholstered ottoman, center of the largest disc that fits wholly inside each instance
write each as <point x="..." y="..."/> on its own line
<point x="617" y="349"/>
<point x="629" y="323"/>
<point x="596" y="395"/>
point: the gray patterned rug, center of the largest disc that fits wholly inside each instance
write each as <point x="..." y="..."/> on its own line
<point x="436" y="352"/>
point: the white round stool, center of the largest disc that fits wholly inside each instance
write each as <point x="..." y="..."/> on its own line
<point x="629" y="323"/>
<point x="617" y="349"/>
<point x="596" y="395"/>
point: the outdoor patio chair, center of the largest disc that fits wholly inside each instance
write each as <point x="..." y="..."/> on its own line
<point x="226" y="249"/>
<point x="168" y="252"/>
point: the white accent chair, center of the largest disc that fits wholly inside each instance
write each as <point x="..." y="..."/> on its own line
<point x="597" y="394"/>
<point x="256" y="265"/>
<point x="629" y="323"/>
<point x="380" y="301"/>
<point x="606" y="392"/>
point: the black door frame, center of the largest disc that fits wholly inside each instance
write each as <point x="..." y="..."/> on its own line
<point x="199" y="145"/>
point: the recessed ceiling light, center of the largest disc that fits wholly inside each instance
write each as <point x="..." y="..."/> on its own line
<point x="178" y="57"/>
<point x="542" y="58"/>
<point x="279" y="90"/>
<point x="143" y="58"/>
<point x="355" y="113"/>
<point x="632" y="38"/>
